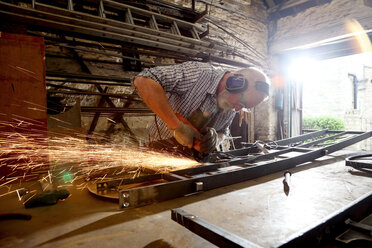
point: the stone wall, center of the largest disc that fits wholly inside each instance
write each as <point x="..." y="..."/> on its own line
<point x="361" y="118"/>
<point x="318" y="23"/>
<point x="331" y="94"/>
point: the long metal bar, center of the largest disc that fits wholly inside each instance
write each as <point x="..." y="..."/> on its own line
<point x="296" y="139"/>
<point x="322" y="140"/>
<point x="82" y="93"/>
<point x="97" y="52"/>
<point x="159" y="192"/>
<point x="110" y="47"/>
<point x="102" y="61"/>
<point x="115" y="110"/>
<point x="208" y="231"/>
<point x="72" y="81"/>
<point x="87" y="77"/>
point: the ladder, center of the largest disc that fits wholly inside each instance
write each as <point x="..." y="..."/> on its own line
<point x="113" y="20"/>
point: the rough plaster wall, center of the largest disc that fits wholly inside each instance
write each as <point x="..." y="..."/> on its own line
<point x="318" y="23"/>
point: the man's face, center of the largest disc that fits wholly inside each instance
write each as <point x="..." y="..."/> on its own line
<point x="247" y="99"/>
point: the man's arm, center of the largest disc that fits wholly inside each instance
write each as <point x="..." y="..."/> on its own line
<point x="154" y="96"/>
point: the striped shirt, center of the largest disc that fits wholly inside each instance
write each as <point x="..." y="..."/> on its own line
<point x="189" y="86"/>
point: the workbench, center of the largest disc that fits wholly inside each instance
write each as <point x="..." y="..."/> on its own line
<point x="257" y="210"/>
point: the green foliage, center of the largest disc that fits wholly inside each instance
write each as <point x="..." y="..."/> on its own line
<point x="324" y="122"/>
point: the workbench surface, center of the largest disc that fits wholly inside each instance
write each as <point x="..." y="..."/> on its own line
<point x="257" y="210"/>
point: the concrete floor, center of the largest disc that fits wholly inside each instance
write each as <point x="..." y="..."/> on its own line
<point x="257" y="210"/>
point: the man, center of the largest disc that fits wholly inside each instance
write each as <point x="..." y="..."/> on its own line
<point x="208" y="97"/>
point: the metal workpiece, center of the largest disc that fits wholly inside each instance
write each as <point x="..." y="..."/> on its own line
<point x="329" y="230"/>
<point x="208" y="231"/>
<point x="361" y="162"/>
<point x="334" y="225"/>
<point x="234" y="170"/>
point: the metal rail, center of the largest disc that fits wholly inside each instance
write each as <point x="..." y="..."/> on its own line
<point x="51" y="74"/>
<point x="209" y="176"/>
<point x="116" y="110"/>
<point x="208" y="231"/>
<point x="326" y="231"/>
<point x="88" y="93"/>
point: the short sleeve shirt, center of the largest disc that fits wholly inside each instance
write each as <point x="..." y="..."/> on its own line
<point x="189" y="86"/>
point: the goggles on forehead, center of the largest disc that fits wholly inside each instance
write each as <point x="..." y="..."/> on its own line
<point x="236" y="84"/>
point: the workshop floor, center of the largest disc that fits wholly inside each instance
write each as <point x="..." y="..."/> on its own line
<point x="257" y="210"/>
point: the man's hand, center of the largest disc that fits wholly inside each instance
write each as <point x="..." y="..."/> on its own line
<point x="209" y="140"/>
<point x="185" y="135"/>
